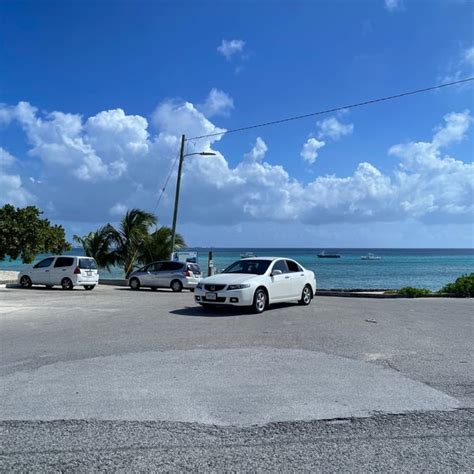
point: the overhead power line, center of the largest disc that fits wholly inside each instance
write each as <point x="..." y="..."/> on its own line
<point x="163" y="189"/>
<point x="335" y="109"/>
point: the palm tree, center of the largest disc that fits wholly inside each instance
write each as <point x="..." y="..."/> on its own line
<point x="130" y="237"/>
<point x="158" y="245"/>
<point x="98" y="245"/>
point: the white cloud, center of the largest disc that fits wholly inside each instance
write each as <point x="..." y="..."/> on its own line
<point x="310" y="149"/>
<point x="112" y="159"/>
<point x="118" y="209"/>
<point x="332" y="128"/>
<point x="12" y="190"/>
<point x="230" y="48"/>
<point x="468" y="56"/>
<point x="217" y="103"/>
<point x="392" y="5"/>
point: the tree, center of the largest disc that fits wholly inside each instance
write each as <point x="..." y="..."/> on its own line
<point x="23" y="234"/>
<point x="98" y="245"/>
<point x="158" y="245"/>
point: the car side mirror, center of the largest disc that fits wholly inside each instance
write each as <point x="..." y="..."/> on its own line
<point x="276" y="272"/>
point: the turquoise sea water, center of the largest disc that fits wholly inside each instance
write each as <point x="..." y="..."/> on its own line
<point x="424" y="268"/>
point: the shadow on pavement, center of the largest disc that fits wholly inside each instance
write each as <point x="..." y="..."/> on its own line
<point x="219" y="312"/>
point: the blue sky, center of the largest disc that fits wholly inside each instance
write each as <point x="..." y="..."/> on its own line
<point x="96" y="94"/>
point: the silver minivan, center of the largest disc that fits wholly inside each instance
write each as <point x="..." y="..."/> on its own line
<point x="166" y="274"/>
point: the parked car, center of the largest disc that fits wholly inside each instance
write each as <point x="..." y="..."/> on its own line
<point x="166" y="274"/>
<point x="68" y="271"/>
<point x="258" y="282"/>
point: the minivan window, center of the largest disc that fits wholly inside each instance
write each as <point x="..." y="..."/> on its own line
<point x="171" y="266"/>
<point x="63" y="262"/>
<point x="153" y="267"/>
<point x="192" y="267"/>
<point x="44" y="263"/>
<point x="87" y="264"/>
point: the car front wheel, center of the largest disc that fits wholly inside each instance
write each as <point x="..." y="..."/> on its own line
<point x="306" y="296"/>
<point x="134" y="284"/>
<point x="260" y="301"/>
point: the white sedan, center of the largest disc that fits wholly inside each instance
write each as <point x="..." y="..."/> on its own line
<point x="258" y="282"/>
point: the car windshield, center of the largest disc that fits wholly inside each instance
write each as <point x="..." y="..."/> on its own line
<point x="254" y="267"/>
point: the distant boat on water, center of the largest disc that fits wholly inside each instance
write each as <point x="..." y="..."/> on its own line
<point x="247" y="255"/>
<point x="370" y="256"/>
<point x="323" y="254"/>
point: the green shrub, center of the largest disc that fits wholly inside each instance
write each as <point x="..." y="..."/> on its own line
<point x="463" y="286"/>
<point x="410" y="292"/>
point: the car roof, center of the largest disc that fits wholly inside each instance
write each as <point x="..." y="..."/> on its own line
<point x="265" y="258"/>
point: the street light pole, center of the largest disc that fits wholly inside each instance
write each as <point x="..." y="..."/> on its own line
<point x="176" y="198"/>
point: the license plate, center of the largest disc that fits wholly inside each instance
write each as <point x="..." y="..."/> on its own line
<point x="211" y="296"/>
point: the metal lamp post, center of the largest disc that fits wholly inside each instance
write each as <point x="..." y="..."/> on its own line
<point x="178" y="185"/>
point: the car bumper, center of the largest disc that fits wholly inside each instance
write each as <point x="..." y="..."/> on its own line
<point x="242" y="297"/>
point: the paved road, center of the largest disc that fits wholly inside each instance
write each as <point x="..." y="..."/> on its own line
<point x="156" y="358"/>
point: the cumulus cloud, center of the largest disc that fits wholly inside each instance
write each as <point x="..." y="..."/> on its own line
<point x="229" y="48"/>
<point x="12" y="190"/>
<point x="392" y="5"/>
<point x="310" y="149"/>
<point x="332" y="128"/>
<point x="468" y="56"/>
<point x="460" y="68"/>
<point x="217" y="103"/>
<point x="112" y="160"/>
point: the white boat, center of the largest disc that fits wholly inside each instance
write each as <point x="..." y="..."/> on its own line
<point x="247" y="255"/>
<point x="370" y="256"/>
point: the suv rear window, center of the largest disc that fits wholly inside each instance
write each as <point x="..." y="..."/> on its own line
<point x="87" y="263"/>
<point x="192" y="267"/>
<point x="63" y="262"/>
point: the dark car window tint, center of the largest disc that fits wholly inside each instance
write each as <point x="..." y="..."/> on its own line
<point x="153" y="267"/>
<point x="172" y="266"/>
<point x="87" y="263"/>
<point x="253" y="267"/>
<point x="194" y="268"/>
<point x="293" y="266"/>
<point x="63" y="262"/>
<point x="280" y="265"/>
<point x="44" y="263"/>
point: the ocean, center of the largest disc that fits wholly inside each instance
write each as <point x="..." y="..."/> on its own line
<point x="423" y="268"/>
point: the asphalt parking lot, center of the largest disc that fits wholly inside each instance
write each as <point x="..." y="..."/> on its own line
<point x="155" y="368"/>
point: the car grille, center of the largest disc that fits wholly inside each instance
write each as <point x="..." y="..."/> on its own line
<point x="214" y="287"/>
<point x="219" y="299"/>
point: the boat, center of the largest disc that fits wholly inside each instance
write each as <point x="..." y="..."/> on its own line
<point x="370" y="256"/>
<point x="247" y="255"/>
<point x="323" y="254"/>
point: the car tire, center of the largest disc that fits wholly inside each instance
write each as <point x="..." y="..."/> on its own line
<point x="89" y="287"/>
<point x="66" y="283"/>
<point x="191" y="290"/>
<point x="25" y="282"/>
<point x="306" y="296"/>
<point x="49" y="286"/>
<point x="176" y="286"/>
<point x="260" y="301"/>
<point x="134" y="284"/>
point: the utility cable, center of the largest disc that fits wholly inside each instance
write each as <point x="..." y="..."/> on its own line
<point x="335" y="109"/>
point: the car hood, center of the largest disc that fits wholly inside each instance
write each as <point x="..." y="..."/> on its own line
<point x="228" y="278"/>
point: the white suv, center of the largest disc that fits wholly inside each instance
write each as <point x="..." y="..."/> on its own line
<point x="68" y="271"/>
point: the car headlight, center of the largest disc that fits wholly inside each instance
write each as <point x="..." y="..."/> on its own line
<point x="238" y="287"/>
<point x="199" y="286"/>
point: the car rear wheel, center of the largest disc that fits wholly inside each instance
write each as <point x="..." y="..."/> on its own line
<point x="89" y="287"/>
<point x="306" y="296"/>
<point x="66" y="283"/>
<point x="134" y="284"/>
<point x="25" y="282"/>
<point x="176" y="286"/>
<point x="260" y="301"/>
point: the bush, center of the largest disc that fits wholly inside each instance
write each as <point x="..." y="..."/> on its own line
<point x="410" y="292"/>
<point x="463" y="286"/>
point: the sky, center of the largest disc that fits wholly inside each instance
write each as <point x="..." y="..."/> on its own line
<point x="94" y="98"/>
